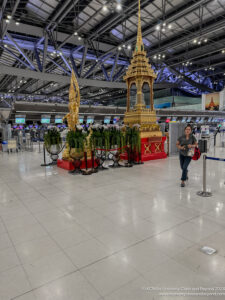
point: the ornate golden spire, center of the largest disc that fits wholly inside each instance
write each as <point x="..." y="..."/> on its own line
<point x="139" y="64"/>
<point x="139" y="44"/>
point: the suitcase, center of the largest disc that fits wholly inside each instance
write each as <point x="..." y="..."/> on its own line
<point x="202" y="145"/>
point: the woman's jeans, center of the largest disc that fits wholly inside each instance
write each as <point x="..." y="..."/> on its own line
<point x="184" y="163"/>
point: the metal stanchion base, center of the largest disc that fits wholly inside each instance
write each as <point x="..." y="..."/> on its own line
<point x="204" y="194"/>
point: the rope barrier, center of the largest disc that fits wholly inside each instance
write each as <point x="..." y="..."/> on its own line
<point x="215" y="158"/>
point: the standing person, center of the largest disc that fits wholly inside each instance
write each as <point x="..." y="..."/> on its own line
<point x="185" y="143"/>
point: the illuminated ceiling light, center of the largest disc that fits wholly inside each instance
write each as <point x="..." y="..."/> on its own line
<point x="104" y="8"/>
<point x="190" y="63"/>
<point x="199" y="42"/>
<point x="124" y="46"/>
<point x="195" y="41"/>
<point x="119" y="48"/>
<point x="79" y="38"/>
<point x="129" y="47"/>
<point x="205" y="40"/>
<point x="6" y="46"/>
<point x="223" y="51"/>
<point x="75" y="33"/>
<point x="169" y="26"/>
<point x="155" y="57"/>
<point x="163" y="56"/>
<point x="163" y="30"/>
<point x="206" y="69"/>
<point x="157" y="27"/>
<point x="164" y="24"/>
<point x="119" y="6"/>
<point x="7" y="21"/>
<point x="9" y="17"/>
<point x="60" y="53"/>
<point x="17" y="23"/>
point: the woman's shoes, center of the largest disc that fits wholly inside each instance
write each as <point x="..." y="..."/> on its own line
<point x="182" y="184"/>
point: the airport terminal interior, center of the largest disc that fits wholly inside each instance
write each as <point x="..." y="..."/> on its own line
<point x="112" y="149"/>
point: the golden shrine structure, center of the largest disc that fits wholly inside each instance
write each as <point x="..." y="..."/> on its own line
<point x="139" y="73"/>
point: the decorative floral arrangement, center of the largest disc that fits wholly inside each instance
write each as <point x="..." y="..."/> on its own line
<point x="112" y="136"/>
<point x="77" y="138"/>
<point x="52" y="137"/>
<point x="105" y="137"/>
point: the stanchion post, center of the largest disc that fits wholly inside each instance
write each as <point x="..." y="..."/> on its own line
<point x="44" y="164"/>
<point x="204" y="193"/>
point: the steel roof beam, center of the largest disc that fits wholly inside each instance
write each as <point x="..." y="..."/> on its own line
<point x="61" y="37"/>
<point x="118" y="18"/>
<point x="15" y="56"/>
<point x="12" y="14"/>
<point x="59" y="78"/>
<point x="69" y="8"/>
<point x="21" y="51"/>
<point x="59" y="12"/>
<point x="83" y="60"/>
<point x="180" y="41"/>
<point x="2" y="9"/>
<point x="190" y="81"/>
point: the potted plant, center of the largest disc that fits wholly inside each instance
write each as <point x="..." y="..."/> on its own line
<point x="133" y="144"/>
<point x="76" y="140"/>
<point x="132" y="138"/>
<point x="53" y="143"/>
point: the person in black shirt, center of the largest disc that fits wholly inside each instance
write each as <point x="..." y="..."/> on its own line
<point x="185" y="143"/>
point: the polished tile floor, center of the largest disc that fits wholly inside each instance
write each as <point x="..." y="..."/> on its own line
<point x="113" y="235"/>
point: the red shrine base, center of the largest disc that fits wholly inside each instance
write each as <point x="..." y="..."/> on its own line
<point x="68" y="165"/>
<point x="151" y="149"/>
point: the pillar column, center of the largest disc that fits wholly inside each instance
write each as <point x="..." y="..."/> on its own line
<point x="151" y="95"/>
<point x="139" y="92"/>
<point x="128" y="97"/>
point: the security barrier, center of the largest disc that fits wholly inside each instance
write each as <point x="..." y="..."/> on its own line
<point x="204" y="192"/>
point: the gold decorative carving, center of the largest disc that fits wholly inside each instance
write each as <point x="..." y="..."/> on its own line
<point x="74" y="105"/>
<point x="158" y="147"/>
<point x="148" y="148"/>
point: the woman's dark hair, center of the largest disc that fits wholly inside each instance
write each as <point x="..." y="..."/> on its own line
<point x="188" y="126"/>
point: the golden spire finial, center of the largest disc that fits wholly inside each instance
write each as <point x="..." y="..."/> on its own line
<point x="139" y="45"/>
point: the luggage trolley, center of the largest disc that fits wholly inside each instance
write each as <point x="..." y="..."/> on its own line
<point x="12" y="145"/>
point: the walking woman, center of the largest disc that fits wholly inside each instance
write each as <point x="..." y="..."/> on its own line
<point x="185" y="144"/>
